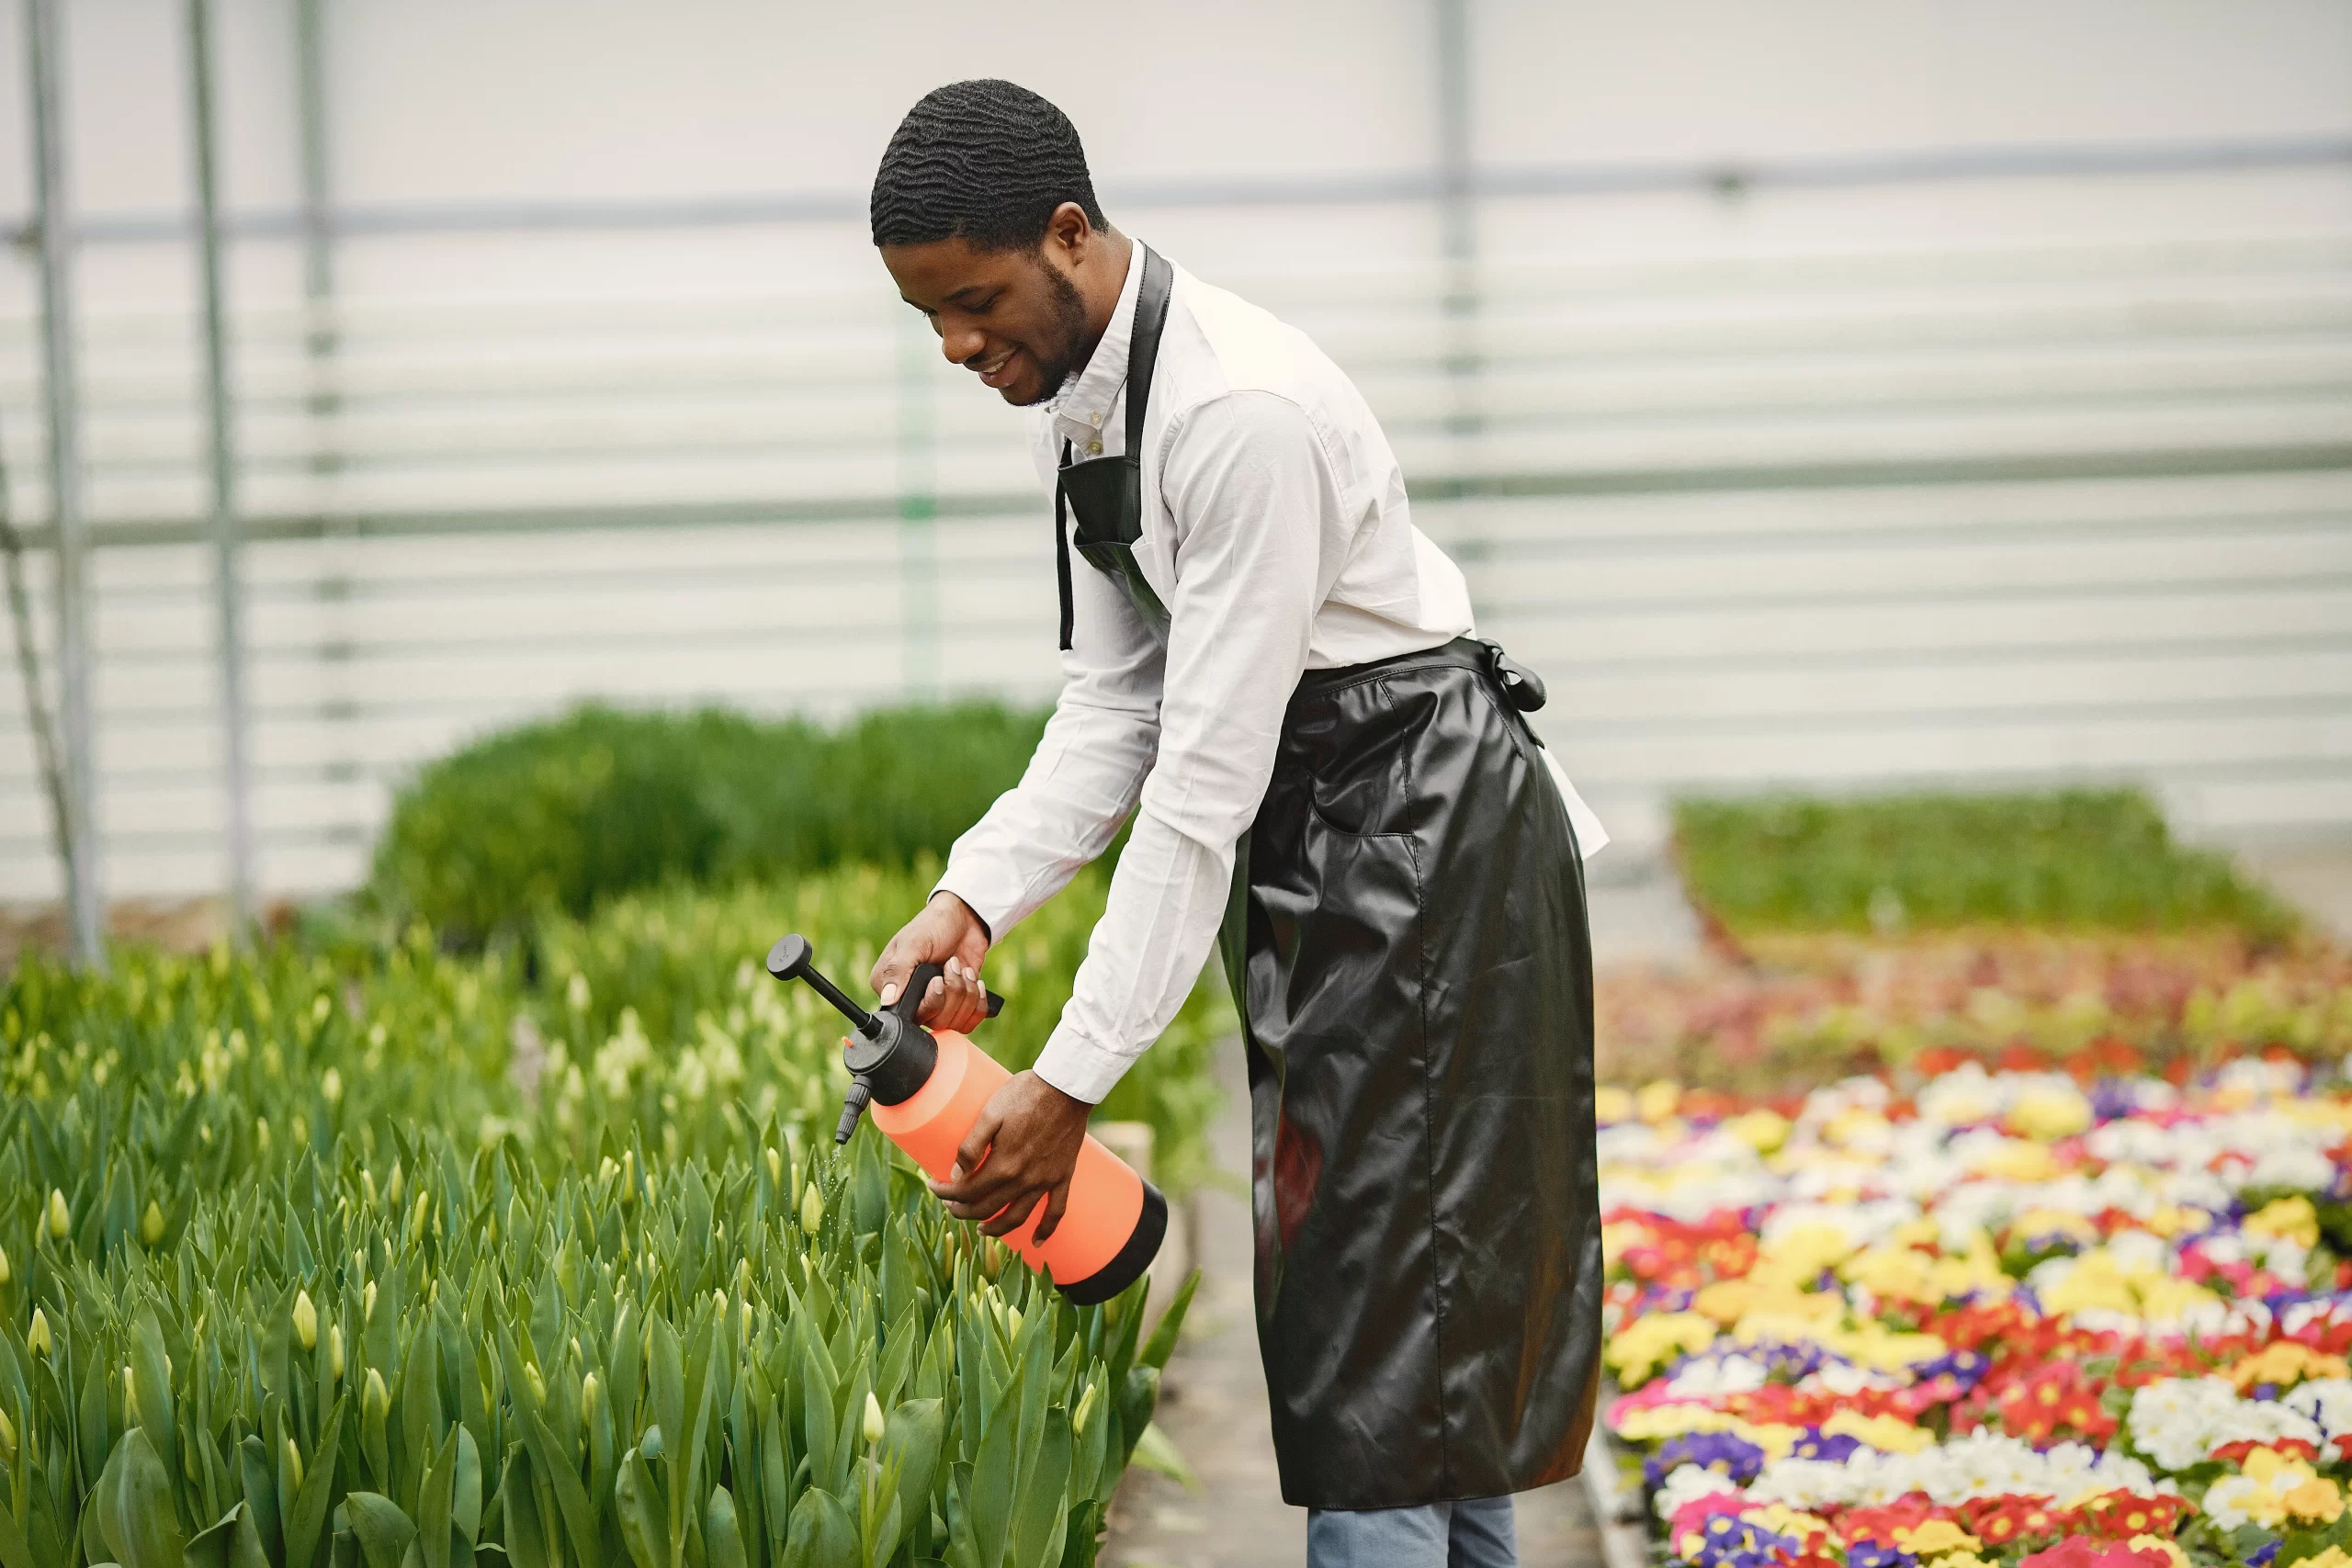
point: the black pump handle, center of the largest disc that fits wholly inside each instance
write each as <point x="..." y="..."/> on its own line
<point x="909" y="1002"/>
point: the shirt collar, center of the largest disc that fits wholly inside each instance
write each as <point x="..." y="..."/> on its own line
<point x="1084" y="404"/>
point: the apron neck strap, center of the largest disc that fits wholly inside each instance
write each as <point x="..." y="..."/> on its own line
<point x="1143" y="344"/>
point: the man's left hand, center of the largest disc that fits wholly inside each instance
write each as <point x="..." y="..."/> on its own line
<point x="1021" y="1151"/>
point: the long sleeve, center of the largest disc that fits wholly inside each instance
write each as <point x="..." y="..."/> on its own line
<point x="1258" y="509"/>
<point x="1083" y="778"/>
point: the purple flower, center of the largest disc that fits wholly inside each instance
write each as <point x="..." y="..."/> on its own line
<point x="1870" y="1554"/>
<point x="1835" y="1447"/>
<point x="2261" y="1555"/>
<point x="1966" y="1368"/>
<point x="1723" y="1452"/>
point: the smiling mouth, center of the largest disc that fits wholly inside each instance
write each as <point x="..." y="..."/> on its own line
<point x="998" y="373"/>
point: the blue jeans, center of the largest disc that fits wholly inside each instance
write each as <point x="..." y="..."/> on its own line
<point x="1477" y="1534"/>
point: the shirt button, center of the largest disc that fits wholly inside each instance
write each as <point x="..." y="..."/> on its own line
<point x="1095" y="447"/>
<point x="1094" y="418"/>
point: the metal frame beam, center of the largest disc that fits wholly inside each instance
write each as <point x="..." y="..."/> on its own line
<point x="228" y="586"/>
<point x="85" y="898"/>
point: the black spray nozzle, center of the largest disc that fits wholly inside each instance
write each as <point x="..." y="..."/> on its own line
<point x="789" y="960"/>
<point x="893" y="1055"/>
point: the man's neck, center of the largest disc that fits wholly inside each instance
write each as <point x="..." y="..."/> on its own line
<point x="1102" y="284"/>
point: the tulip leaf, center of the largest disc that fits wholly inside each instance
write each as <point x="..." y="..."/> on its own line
<point x="233" y="1542"/>
<point x="153" y="1379"/>
<point x="433" y="1504"/>
<point x="260" y="1478"/>
<point x="1162" y="1343"/>
<point x="579" y="1514"/>
<point x="145" y="1531"/>
<point x="911" y="1439"/>
<point x="644" y="1527"/>
<point x="1038" y="1517"/>
<point x="823" y="1532"/>
<point x="722" y="1543"/>
<point x="380" y="1526"/>
<point x="306" y="1520"/>
<point x="526" y="1535"/>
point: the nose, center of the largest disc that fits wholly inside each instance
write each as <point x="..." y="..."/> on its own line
<point x="960" y="343"/>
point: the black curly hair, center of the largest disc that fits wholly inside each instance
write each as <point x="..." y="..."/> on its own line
<point x="985" y="162"/>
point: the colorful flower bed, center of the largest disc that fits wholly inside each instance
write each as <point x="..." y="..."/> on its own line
<point x="2068" y="1320"/>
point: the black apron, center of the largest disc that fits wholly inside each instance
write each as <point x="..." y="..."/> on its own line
<point x="1407" y="938"/>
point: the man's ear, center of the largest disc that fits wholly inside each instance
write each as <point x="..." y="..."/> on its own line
<point x="1069" y="232"/>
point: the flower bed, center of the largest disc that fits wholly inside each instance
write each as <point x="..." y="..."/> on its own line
<point x="2009" y="1317"/>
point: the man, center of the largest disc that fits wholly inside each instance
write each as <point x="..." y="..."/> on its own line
<point x="1271" y="668"/>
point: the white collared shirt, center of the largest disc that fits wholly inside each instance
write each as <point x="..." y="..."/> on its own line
<point x="1277" y="534"/>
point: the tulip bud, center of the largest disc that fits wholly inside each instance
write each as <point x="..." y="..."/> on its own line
<point x="775" y="1167"/>
<point x="151" y="1224"/>
<point x="1013" y="1322"/>
<point x="334" y="1352"/>
<point x="36" y="1337"/>
<point x="812" y="1209"/>
<point x="331" y="1087"/>
<point x="873" y="1427"/>
<point x="8" y="1439"/>
<point x="367" y="1301"/>
<point x="130" y="1389"/>
<point x="294" y="1459"/>
<point x="3" y="1266"/>
<point x="1085" y="1408"/>
<point x="60" y="1221"/>
<point x="392" y="1186"/>
<point x="538" y="1385"/>
<point x="589" y="1388"/>
<point x="375" y="1399"/>
<point x="261" y="1135"/>
<point x="306" y="1321"/>
<point x="629" y="1177"/>
<point x="606" y="1170"/>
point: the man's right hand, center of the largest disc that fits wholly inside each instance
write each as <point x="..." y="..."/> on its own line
<point x="946" y="933"/>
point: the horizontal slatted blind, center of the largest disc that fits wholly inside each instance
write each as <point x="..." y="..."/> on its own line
<point x="1834" y="521"/>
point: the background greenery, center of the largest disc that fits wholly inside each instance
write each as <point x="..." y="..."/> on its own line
<point x="555" y="818"/>
<point x="2068" y="860"/>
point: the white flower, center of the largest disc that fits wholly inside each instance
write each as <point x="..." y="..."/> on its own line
<point x="1687" y="1486"/>
<point x="2326" y="1403"/>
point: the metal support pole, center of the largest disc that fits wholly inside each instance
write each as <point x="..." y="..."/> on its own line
<point x="320" y="339"/>
<point x="919" y="605"/>
<point x="1458" y="214"/>
<point x="85" y="899"/>
<point x="228" y="587"/>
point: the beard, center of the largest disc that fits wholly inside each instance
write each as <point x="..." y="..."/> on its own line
<point x="1066" y="348"/>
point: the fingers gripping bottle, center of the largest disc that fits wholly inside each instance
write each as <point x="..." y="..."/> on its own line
<point x="926" y="1089"/>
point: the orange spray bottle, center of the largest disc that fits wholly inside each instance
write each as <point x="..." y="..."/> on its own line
<point x="926" y="1089"/>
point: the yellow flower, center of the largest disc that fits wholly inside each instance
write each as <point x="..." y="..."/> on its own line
<point x="2314" y="1500"/>
<point x="2284" y="1362"/>
<point x="1648" y="1343"/>
<point x="1887" y="1434"/>
<point x="1611" y="1103"/>
<point x="2046" y="1115"/>
<point x="1934" y="1536"/>
<point x="1761" y="1129"/>
<point x="1657" y="1100"/>
<point x="2332" y="1558"/>
<point x="2293" y="1218"/>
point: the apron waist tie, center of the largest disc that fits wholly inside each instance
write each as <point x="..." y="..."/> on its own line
<point x="1521" y="686"/>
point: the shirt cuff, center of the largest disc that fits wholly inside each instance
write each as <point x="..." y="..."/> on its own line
<point x="995" y="899"/>
<point x="1079" y="1067"/>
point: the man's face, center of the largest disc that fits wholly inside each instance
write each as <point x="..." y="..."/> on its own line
<point x="1012" y="317"/>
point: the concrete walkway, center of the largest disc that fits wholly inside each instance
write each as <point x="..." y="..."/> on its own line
<point x="1214" y="1404"/>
